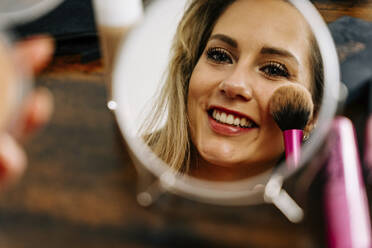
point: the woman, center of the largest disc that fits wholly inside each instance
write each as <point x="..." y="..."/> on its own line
<point x="229" y="56"/>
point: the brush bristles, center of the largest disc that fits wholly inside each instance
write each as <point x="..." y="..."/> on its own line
<point x="291" y="107"/>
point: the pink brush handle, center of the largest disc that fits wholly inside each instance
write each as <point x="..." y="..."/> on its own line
<point x="346" y="207"/>
<point x="292" y="144"/>
<point x="368" y="145"/>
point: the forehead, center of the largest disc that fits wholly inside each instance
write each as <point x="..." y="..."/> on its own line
<point x="273" y="23"/>
<point x="265" y="18"/>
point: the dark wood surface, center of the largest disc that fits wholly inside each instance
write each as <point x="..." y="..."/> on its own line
<point x="80" y="187"/>
<point x="333" y="9"/>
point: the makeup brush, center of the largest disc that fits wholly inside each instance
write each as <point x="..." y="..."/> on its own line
<point x="291" y="106"/>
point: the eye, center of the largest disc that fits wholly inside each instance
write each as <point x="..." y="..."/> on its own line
<point x="219" y="55"/>
<point x="275" y="69"/>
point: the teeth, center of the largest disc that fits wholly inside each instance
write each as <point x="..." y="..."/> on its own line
<point x="223" y="117"/>
<point x="236" y="121"/>
<point x="243" y="122"/>
<point x="218" y="116"/>
<point x="231" y="120"/>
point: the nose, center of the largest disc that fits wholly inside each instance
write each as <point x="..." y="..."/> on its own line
<point x="236" y="87"/>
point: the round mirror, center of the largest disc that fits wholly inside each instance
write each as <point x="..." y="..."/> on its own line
<point x="192" y="89"/>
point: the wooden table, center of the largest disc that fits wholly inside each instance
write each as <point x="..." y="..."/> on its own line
<point x="80" y="188"/>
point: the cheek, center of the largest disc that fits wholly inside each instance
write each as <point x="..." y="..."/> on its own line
<point x="201" y="87"/>
<point x="196" y="90"/>
<point x="199" y="84"/>
<point x="262" y="96"/>
<point x="273" y="134"/>
<point x="305" y="77"/>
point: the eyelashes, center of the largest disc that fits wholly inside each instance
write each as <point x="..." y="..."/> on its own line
<point x="275" y="69"/>
<point x="219" y="55"/>
<point x="272" y="69"/>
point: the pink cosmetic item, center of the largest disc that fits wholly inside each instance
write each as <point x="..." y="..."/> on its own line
<point x="291" y="107"/>
<point x="368" y="138"/>
<point x="345" y="201"/>
<point x="292" y="143"/>
<point x="368" y="148"/>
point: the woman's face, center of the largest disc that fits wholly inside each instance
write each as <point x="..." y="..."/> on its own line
<point x="255" y="47"/>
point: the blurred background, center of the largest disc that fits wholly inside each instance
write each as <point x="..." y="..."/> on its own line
<point x="80" y="186"/>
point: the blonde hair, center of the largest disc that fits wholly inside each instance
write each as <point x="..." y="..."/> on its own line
<point x="172" y="142"/>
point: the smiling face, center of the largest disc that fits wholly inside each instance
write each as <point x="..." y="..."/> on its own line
<point x="251" y="52"/>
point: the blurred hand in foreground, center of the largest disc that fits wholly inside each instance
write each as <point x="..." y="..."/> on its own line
<point x="33" y="55"/>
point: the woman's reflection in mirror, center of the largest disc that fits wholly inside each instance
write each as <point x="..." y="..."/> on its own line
<point x="228" y="57"/>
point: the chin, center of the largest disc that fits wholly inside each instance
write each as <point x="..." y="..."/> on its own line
<point x="223" y="160"/>
<point x="230" y="161"/>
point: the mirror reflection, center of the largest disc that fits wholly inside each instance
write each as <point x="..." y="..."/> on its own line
<point x="211" y="118"/>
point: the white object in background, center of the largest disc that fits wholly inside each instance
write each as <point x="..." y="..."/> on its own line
<point x="114" y="19"/>
<point x="116" y="13"/>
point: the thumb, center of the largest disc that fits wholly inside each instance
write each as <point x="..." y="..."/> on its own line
<point x="13" y="160"/>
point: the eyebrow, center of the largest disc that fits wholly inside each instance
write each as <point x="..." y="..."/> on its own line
<point x="265" y="50"/>
<point x="225" y="39"/>
<point x="278" y="51"/>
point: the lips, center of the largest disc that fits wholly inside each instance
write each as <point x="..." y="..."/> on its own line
<point x="231" y="118"/>
<point x="229" y="123"/>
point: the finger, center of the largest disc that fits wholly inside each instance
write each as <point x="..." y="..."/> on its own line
<point x="35" y="52"/>
<point x="12" y="160"/>
<point x="37" y="111"/>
